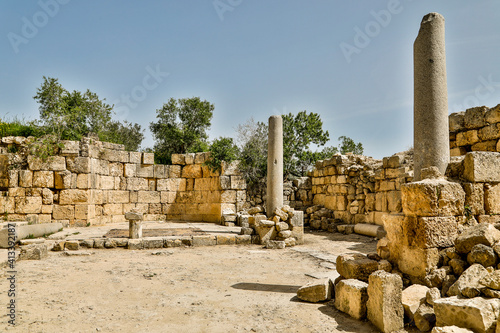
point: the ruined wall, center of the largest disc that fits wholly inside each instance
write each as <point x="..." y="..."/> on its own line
<point x="476" y="129"/>
<point x="360" y="189"/>
<point x="97" y="182"/>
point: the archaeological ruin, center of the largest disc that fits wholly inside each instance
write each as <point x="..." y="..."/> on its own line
<point x="434" y="209"/>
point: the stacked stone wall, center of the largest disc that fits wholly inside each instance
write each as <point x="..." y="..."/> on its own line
<point x="476" y="129"/>
<point x="93" y="182"/>
<point x="360" y="189"/>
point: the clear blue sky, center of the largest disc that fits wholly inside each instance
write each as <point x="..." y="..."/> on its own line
<point x="250" y="58"/>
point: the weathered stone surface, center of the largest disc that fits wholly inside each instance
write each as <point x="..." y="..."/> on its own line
<point x="491" y="280"/>
<point x="431" y="129"/>
<point x="274" y="244"/>
<point x="316" y="291"/>
<point x="482" y="233"/>
<point x="134" y="216"/>
<point x="23" y="231"/>
<point x="412" y="297"/>
<point x="356" y="266"/>
<point x="478" y="314"/>
<point x="266" y="230"/>
<point x="424" y="318"/>
<point x="482" y="254"/>
<point x="492" y="199"/>
<point x="384" y="306"/>
<point x="458" y="266"/>
<point x="204" y="240"/>
<point x="133" y="244"/>
<point x="450" y="329"/>
<point x="480" y="167"/>
<point x="275" y="164"/>
<point x="351" y="296"/>
<point x="72" y="245"/>
<point x="432" y="295"/>
<point x="282" y="226"/>
<point x="33" y="252"/>
<point x="68" y="197"/>
<point x="468" y="284"/>
<point x="255" y="210"/>
<point x="433" y="197"/>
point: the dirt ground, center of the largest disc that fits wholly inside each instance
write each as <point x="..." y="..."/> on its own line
<point x="198" y="289"/>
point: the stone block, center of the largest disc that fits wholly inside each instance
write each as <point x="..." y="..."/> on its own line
<point x="351" y="297"/>
<point x="492" y="199"/>
<point x="468" y="284"/>
<point x="53" y="163"/>
<point x="33" y="252"/>
<point x="384" y="306"/>
<point x="474" y="198"/>
<point x="356" y="266"/>
<point x="192" y="171"/>
<point x="226" y="239"/>
<point x="28" y="205"/>
<point x="316" y="291"/>
<point x="23" y="231"/>
<point x="265" y="230"/>
<point x="481" y="167"/>
<point x="137" y="184"/>
<point x="478" y="314"/>
<point x="70" y="197"/>
<point x="63" y="212"/>
<point x="144" y="171"/>
<point x="244" y="239"/>
<point x="78" y="164"/>
<point x="43" y="179"/>
<point x="482" y="233"/>
<point x="482" y="254"/>
<point x="238" y="183"/>
<point x="456" y="121"/>
<point x="25" y="178"/>
<point x="433" y="197"/>
<point x="424" y="318"/>
<point x="475" y="117"/>
<point x="148" y="197"/>
<point x="148" y="158"/>
<point x="204" y="240"/>
<point x="412" y="297"/>
<point x="134" y="244"/>
<point x="152" y="242"/>
<point x="467" y="138"/>
<point x="275" y="245"/>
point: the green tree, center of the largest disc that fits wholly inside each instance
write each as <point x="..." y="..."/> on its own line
<point x="348" y="145"/>
<point x="299" y="132"/>
<point x="72" y="115"/>
<point x="252" y="139"/>
<point x="222" y="149"/>
<point x="181" y="127"/>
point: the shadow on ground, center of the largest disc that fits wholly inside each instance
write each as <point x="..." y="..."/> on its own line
<point x="267" y="287"/>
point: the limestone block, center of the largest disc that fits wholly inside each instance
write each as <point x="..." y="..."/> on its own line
<point x="467" y="138"/>
<point x="485" y="146"/>
<point x="114" y="155"/>
<point x="238" y="183"/>
<point x="433" y="197"/>
<point x="266" y="230"/>
<point x="230" y="169"/>
<point x="316" y="291"/>
<point x="148" y="158"/>
<point x="53" y="163"/>
<point x="228" y="196"/>
<point x="474" y="198"/>
<point x="468" y="284"/>
<point x="475" y="117"/>
<point x="34" y="252"/>
<point x="275" y="245"/>
<point x="113" y="209"/>
<point x="492" y="199"/>
<point x="356" y="266"/>
<point x="62" y="179"/>
<point x="28" y="205"/>
<point x="148" y="197"/>
<point x="412" y="297"/>
<point x="66" y="212"/>
<point x="144" y="171"/>
<point x="100" y="167"/>
<point x="137" y="184"/>
<point x="482" y="167"/>
<point x="430" y="232"/>
<point x="456" y="121"/>
<point x="425" y="318"/>
<point x="416" y="261"/>
<point x="394" y="201"/>
<point x="351" y="297"/>
<point x="192" y="171"/>
<point x="43" y="179"/>
<point x="200" y="158"/>
<point x="478" y="314"/>
<point x="482" y="254"/>
<point x="68" y="197"/>
<point x="78" y="164"/>
<point x="381" y="202"/>
<point x="25" y="178"/>
<point x="226" y="239"/>
<point x="204" y="240"/>
<point x="384" y="306"/>
<point x="482" y="233"/>
<point x="130" y="170"/>
<point x="71" y="148"/>
<point x="490" y="132"/>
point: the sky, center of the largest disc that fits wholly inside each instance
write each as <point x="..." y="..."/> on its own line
<point x="351" y="61"/>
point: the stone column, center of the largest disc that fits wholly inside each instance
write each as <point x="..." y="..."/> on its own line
<point x="275" y="165"/>
<point x="431" y="133"/>
<point x="134" y="224"/>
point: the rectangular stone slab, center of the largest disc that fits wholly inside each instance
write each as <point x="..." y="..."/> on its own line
<point x="23" y="231"/>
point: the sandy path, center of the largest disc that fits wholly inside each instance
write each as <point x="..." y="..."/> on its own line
<point x="202" y="289"/>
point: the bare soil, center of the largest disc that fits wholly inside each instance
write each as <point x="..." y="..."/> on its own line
<point x="197" y="289"/>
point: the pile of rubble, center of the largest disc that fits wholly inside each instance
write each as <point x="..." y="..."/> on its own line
<point x="463" y="291"/>
<point x="284" y="228"/>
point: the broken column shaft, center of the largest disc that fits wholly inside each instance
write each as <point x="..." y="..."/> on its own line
<point x="274" y="165"/>
<point x="431" y="132"/>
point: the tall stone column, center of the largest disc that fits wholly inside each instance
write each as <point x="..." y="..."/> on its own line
<point x="274" y="165"/>
<point x="431" y="133"/>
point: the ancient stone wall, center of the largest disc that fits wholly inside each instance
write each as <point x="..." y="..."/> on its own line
<point x="476" y="129"/>
<point x="93" y="182"/>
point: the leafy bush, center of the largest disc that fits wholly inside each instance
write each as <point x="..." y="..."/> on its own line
<point x="222" y="149"/>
